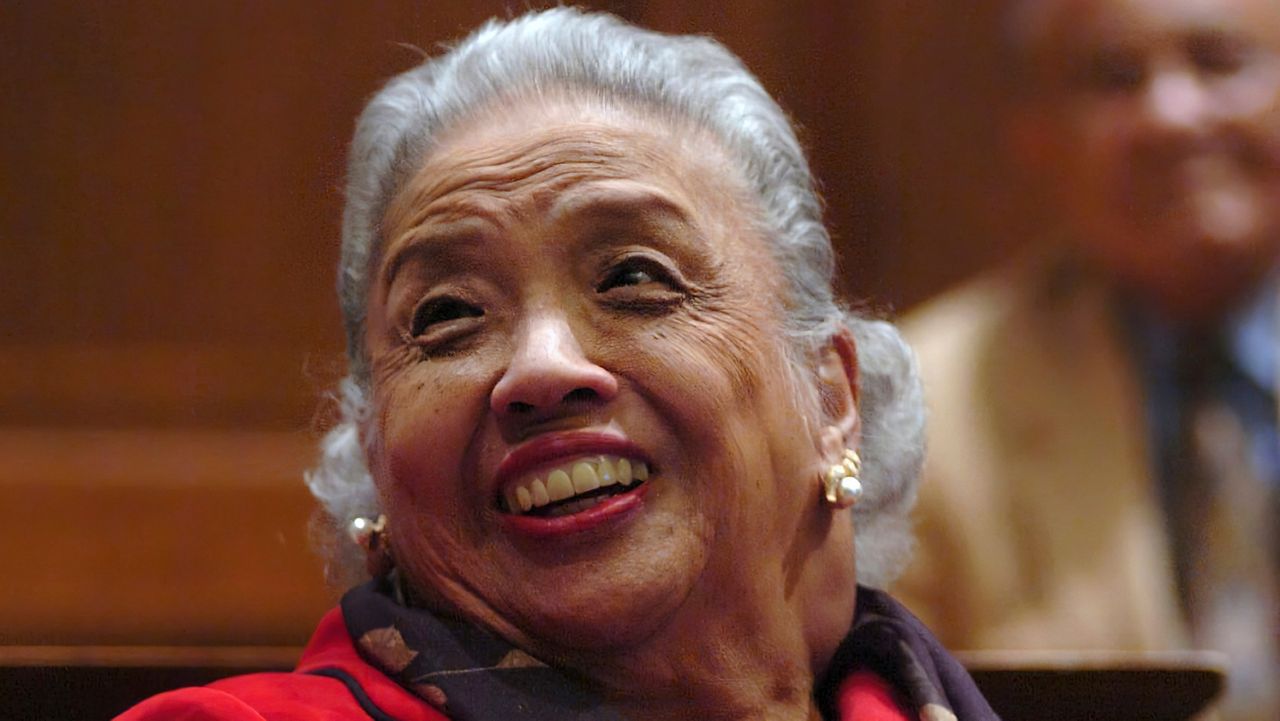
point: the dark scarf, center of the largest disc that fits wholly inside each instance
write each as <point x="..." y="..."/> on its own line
<point x="472" y="675"/>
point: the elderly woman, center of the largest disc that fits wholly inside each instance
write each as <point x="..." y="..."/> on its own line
<point x="609" y="442"/>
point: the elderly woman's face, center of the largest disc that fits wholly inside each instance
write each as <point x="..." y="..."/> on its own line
<point x="584" y="421"/>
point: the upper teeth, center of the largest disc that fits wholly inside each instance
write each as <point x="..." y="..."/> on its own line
<point x="573" y="478"/>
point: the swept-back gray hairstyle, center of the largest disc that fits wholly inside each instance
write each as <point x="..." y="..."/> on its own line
<point x="687" y="79"/>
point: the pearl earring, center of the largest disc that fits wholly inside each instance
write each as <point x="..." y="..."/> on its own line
<point x="841" y="487"/>
<point x="371" y="534"/>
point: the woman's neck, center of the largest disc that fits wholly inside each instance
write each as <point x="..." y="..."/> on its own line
<point x="726" y="671"/>
<point x="740" y="647"/>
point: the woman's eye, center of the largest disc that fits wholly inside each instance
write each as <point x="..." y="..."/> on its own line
<point x="441" y="310"/>
<point x="626" y="276"/>
<point x="642" y="284"/>
<point x="635" y="272"/>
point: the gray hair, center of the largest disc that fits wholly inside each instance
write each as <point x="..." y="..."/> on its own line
<point x="694" y="79"/>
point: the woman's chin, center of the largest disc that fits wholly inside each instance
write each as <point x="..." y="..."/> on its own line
<point x="609" y="602"/>
<point x="609" y="583"/>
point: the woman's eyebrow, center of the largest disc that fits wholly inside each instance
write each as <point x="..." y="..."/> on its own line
<point x="662" y="220"/>
<point x="433" y="246"/>
<point x="618" y="203"/>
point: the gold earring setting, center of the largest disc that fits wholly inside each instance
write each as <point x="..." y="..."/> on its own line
<point x="841" y="487"/>
<point x="367" y="532"/>
<point x="371" y="534"/>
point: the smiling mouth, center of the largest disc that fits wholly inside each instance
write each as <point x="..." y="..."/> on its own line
<point x="573" y="487"/>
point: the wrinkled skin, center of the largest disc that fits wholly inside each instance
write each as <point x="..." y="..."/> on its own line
<point x="554" y="267"/>
<point x="1155" y="126"/>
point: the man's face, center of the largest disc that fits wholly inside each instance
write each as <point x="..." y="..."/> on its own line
<point x="1156" y="126"/>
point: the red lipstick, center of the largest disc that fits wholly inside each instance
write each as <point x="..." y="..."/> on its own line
<point x="613" y="508"/>
<point x="553" y="448"/>
<point x="556" y="448"/>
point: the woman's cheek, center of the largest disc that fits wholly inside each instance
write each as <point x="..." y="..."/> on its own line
<point x="679" y="369"/>
<point x="705" y="369"/>
<point x="734" y="341"/>
<point x="425" y="429"/>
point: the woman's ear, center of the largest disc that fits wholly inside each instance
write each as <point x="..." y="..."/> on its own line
<point x="838" y="386"/>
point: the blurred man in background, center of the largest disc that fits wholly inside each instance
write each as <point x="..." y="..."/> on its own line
<point x="1104" y="462"/>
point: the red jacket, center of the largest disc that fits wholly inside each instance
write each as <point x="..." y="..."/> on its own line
<point x="332" y="683"/>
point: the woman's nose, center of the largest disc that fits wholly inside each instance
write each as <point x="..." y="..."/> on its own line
<point x="549" y="369"/>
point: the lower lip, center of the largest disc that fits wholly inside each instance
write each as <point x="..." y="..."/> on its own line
<point x="610" y="510"/>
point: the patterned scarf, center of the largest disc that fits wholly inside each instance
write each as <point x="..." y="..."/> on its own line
<point x="472" y="675"/>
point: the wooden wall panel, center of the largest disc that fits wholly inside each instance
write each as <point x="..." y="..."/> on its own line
<point x="170" y="193"/>
<point x="937" y="122"/>
<point x="156" y="537"/>
<point x="898" y="104"/>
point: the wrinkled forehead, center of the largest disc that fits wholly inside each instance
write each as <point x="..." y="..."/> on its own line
<point x="532" y="152"/>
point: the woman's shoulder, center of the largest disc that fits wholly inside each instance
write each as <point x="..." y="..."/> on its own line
<point x="255" y="697"/>
<point x="192" y="704"/>
<point x="330" y="695"/>
<point x="865" y="696"/>
<point x="332" y="683"/>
